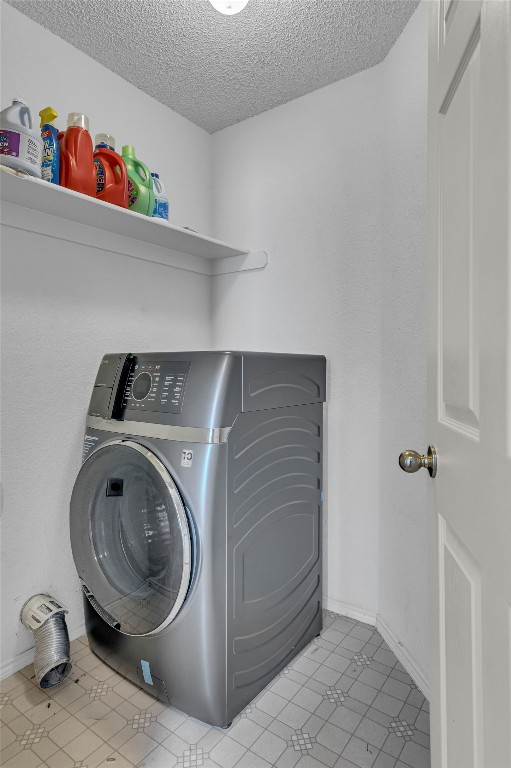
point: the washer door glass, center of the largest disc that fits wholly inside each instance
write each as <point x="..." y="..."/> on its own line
<point x="130" y="538"/>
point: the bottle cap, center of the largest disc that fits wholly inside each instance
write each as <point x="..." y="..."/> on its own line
<point x="77" y="119"/>
<point x="128" y="150"/>
<point x="156" y="175"/>
<point x="47" y="115"/>
<point x="105" y="139"/>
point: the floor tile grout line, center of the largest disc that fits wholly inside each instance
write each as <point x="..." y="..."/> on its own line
<point x="355" y="679"/>
<point x="365" y="716"/>
<point x="311" y="713"/>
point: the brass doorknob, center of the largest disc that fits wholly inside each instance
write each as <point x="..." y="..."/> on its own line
<point x="411" y="461"/>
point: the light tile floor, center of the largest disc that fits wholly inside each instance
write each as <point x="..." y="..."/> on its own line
<point x="344" y="702"/>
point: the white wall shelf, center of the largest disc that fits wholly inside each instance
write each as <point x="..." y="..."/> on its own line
<point x="54" y="211"/>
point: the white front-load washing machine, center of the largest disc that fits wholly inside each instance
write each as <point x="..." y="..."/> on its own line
<point x="196" y="521"/>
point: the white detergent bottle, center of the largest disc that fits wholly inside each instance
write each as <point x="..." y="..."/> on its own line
<point x="21" y="145"/>
<point x="161" y="201"/>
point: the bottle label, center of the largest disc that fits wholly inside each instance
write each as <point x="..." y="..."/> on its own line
<point x="48" y="157"/>
<point x="100" y="175"/>
<point x="10" y="143"/>
<point x="161" y="209"/>
<point x="20" y="145"/>
<point x="133" y="193"/>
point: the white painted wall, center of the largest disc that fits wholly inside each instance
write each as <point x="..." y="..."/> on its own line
<point x="403" y="598"/>
<point x="333" y="186"/>
<point x="303" y="181"/>
<point x="65" y="305"/>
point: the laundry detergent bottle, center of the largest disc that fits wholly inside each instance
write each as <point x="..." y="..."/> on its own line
<point x="111" y="173"/>
<point x="140" y="183"/>
<point x="21" y="145"/>
<point x="161" y="201"/>
<point x="77" y="169"/>
<point x="50" y="163"/>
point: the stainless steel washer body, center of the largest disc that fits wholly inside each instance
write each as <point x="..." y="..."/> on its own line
<point x="196" y="521"/>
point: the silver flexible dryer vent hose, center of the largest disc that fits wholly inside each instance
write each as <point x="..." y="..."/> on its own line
<point x="45" y="616"/>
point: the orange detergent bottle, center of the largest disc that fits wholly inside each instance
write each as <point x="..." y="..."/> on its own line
<point x="77" y="169"/>
<point x="111" y="174"/>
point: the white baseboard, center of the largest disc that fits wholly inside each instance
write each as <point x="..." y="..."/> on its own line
<point x="23" y="659"/>
<point x="403" y="656"/>
<point x="349" y="610"/>
<point x="20" y="661"/>
<point x="395" y="645"/>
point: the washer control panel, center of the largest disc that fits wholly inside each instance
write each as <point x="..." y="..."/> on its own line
<point x="156" y="386"/>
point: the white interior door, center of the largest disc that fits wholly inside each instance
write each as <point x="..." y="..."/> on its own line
<point x="470" y="381"/>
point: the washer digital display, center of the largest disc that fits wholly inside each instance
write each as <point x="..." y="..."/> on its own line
<point x="156" y="386"/>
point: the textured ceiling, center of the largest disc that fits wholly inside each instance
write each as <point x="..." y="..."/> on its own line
<point x="217" y="70"/>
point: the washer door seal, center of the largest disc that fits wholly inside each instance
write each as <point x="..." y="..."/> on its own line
<point x="131" y="538"/>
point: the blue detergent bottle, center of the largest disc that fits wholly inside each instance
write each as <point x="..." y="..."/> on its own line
<point x="161" y="201"/>
<point x="50" y="163"/>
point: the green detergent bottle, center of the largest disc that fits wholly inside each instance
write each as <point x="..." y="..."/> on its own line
<point x="140" y="183"/>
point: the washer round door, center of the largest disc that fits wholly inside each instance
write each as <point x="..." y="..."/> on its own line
<point x="130" y="538"/>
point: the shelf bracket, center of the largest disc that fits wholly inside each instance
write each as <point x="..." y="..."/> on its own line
<point x="244" y="263"/>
